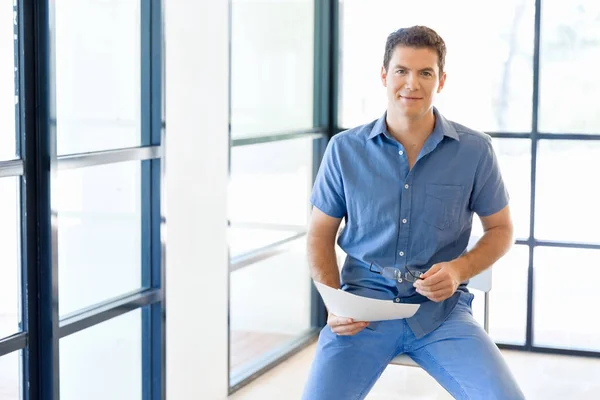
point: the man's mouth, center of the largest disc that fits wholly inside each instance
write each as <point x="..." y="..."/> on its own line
<point x="410" y="97"/>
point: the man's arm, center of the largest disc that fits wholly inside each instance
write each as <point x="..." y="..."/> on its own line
<point x="322" y="259"/>
<point x="442" y="279"/>
<point x="497" y="239"/>
<point x="322" y="232"/>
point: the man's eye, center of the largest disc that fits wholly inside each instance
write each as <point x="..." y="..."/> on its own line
<point x="400" y="71"/>
<point x="426" y="73"/>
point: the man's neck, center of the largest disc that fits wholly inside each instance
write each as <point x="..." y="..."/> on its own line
<point x="408" y="131"/>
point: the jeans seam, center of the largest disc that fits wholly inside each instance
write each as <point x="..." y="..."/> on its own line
<point x="463" y="393"/>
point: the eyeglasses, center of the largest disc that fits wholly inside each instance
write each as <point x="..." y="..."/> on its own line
<point x="396" y="274"/>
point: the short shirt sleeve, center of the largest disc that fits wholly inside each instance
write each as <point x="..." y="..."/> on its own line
<point x="489" y="192"/>
<point x="328" y="190"/>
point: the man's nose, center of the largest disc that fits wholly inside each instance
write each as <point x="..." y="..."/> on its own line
<point x="412" y="83"/>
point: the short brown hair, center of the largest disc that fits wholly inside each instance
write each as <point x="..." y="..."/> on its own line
<point x="418" y="37"/>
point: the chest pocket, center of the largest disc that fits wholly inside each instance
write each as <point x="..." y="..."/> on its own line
<point x="442" y="205"/>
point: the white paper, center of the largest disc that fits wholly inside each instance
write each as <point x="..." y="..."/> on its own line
<point x="359" y="308"/>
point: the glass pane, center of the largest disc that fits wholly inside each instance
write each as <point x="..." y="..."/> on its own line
<point x="259" y="325"/>
<point x="99" y="234"/>
<point x="508" y="298"/>
<point x="98" y="75"/>
<point x="272" y="52"/>
<point x="10" y="376"/>
<point x="569" y="47"/>
<point x="10" y="264"/>
<point x="104" y="361"/>
<point x="514" y="157"/>
<point x="245" y="239"/>
<point x="7" y="81"/>
<point x="565" y="297"/>
<point x="566" y="200"/>
<point x="489" y="84"/>
<point x="269" y="189"/>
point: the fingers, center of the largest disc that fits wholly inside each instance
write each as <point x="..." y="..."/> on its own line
<point x="431" y="271"/>
<point x="436" y="296"/>
<point x="434" y="290"/>
<point x="433" y="279"/>
<point x="345" y="326"/>
<point x="432" y="287"/>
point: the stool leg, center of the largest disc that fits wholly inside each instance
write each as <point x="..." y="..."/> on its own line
<point x="486" y="315"/>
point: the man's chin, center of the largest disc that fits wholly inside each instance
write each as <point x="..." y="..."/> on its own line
<point x="409" y="112"/>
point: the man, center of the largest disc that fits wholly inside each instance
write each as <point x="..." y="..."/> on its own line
<point x="407" y="186"/>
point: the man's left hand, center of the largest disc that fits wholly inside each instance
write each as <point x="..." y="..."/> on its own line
<point x="439" y="282"/>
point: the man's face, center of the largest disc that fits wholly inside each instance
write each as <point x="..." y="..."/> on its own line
<point x="412" y="80"/>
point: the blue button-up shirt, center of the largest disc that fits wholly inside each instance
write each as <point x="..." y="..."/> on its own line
<point x="400" y="217"/>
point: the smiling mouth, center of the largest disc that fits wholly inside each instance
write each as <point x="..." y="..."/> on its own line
<point x="410" y="98"/>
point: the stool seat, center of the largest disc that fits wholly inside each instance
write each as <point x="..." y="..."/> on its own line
<point x="403" y="359"/>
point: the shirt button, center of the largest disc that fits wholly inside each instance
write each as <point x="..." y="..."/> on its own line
<point x="397" y="300"/>
<point x="400" y="152"/>
<point x="405" y="186"/>
<point x="404" y="221"/>
<point x="401" y="254"/>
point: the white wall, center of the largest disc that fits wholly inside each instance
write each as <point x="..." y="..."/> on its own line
<point x="196" y="179"/>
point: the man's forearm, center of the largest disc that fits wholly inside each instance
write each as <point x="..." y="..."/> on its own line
<point x="323" y="261"/>
<point x="493" y="244"/>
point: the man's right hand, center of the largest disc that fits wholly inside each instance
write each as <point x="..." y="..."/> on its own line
<point x="345" y="326"/>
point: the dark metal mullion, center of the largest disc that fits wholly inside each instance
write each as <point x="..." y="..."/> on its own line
<point x="321" y="106"/>
<point x="150" y="383"/>
<point x="334" y="23"/>
<point x="318" y="310"/>
<point x="11" y="168"/>
<point x="84" y="160"/>
<point x="12" y="343"/>
<point x="153" y="329"/>
<point x="547" y="243"/>
<point x="30" y="306"/>
<point x="260" y="254"/>
<point x="508" y="135"/>
<point x="95" y="315"/>
<point x="158" y="310"/>
<point x="39" y="235"/>
<point x="37" y="147"/>
<point x="277" y="137"/>
<point x="567" y="136"/>
<point x="534" y="144"/>
<point x="324" y="105"/>
<point x="550" y="243"/>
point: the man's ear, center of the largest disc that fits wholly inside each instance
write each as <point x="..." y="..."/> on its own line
<point x="383" y="76"/>
<point x="442" y="82"/>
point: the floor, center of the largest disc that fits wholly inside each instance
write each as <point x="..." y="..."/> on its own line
<point x="248" y="346"/>
<point x="541" y="376"/>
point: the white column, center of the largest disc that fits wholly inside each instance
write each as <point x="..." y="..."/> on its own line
<point x="196" y="184"/>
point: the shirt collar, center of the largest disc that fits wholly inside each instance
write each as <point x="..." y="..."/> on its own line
<point x="442" y="127"/>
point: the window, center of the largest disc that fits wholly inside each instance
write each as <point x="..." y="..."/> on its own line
<point x="570" y="42"/>
<point x="271" y="66"/>
<point x="489" y="73"/>
<point x="80" y="181"/>
<point x="8" y="77"/>
<point x="561" y="302"/>
<point x="538" y="104"/>
<point x="275" y="145"/>
<point x="98" y="75"/>
<point x="10" y="284"/>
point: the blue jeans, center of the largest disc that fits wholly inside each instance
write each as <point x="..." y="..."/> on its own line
<point x="458" y="354"/>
